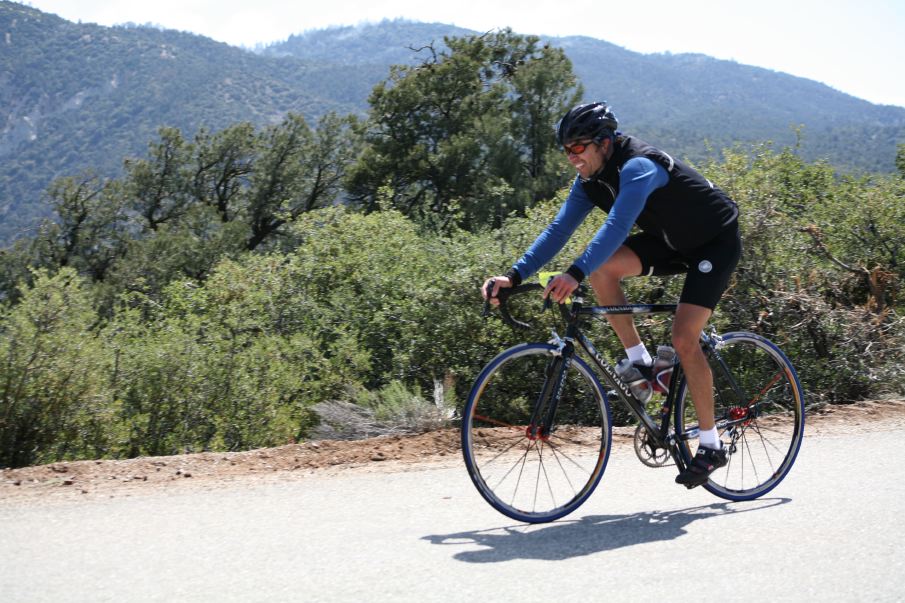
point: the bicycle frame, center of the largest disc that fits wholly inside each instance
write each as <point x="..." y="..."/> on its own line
<point x="511" y="422"/>
<point x="660" y="432"/>
<point x="550" y="393"/>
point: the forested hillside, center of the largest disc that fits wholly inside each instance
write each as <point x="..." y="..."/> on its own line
<point x="691" y="102"/>
<point x="80" y="96"/>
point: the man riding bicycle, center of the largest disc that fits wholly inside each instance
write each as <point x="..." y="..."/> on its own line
<point x="687" y="225"/>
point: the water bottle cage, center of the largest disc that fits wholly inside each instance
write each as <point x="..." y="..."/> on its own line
<point x="661" y="380"/>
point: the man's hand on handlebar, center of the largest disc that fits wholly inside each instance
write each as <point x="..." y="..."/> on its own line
<point x="491" y="288"/>
<point x="560" y="287"/>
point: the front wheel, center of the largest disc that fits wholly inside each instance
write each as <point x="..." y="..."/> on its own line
<point x="525" y="468"/>
<point x="759" y="412"/>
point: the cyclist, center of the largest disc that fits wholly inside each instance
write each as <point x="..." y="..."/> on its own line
<point x="687" y="225"/>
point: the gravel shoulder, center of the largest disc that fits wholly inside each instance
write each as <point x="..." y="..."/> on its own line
<point x="85" y="480"/>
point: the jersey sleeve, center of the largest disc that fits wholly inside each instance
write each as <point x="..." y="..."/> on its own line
<point x="639" y="178"/>
<point x="554" y="237"/>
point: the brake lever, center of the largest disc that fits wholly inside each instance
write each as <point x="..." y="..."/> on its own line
<point x="487" y="291"/>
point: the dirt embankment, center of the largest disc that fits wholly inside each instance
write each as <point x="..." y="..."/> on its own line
<point x="89" y="479"/>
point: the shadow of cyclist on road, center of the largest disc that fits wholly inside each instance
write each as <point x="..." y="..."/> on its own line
<point x="588" y="535"/>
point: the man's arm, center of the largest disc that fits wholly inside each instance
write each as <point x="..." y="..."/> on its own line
<point x="639" y="178"/>
<point x="555" y="236"/>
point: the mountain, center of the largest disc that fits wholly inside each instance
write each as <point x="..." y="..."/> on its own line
<point x="681" y="100"/>
<point x="388" y="43"/>
<point x="687" y="103"/>
<point x="77" y="96"/>
<point x="80" y="96"/>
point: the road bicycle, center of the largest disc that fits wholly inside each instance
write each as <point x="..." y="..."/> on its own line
<point x="537" y="426"/>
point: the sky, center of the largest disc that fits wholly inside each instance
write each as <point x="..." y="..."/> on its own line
<point x="855" y="46"/>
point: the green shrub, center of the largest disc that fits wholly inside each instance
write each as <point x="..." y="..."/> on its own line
<point x="53" y="404"/>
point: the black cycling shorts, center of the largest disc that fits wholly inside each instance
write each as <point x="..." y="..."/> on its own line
<point x="707" y="268"/>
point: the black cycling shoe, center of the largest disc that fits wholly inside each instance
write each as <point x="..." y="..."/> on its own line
<point x="705" y="462"/>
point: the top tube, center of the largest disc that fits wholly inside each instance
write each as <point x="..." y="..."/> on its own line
<point x="630" y="309"/>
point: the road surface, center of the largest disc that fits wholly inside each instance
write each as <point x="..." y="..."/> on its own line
<point x="834" y="530"/>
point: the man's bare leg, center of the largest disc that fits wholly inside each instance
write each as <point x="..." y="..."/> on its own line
<point x="686" y="330"/>
<point x="608" y="290"/>
<point x="689" y="321"/>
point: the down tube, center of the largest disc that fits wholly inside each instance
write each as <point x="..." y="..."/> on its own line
<point x="613" y="380"/>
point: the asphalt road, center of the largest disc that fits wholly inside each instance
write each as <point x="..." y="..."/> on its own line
<point x="833" y="531"/>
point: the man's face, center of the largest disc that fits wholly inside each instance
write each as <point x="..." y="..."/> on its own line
<point x="586" y="156"/>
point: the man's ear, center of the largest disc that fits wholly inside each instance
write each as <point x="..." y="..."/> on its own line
<point x="605" y="144"/>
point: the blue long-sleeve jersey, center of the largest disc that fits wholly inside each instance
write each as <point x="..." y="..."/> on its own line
<point x="638" y="179"/>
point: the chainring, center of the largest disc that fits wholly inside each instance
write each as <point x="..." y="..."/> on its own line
<point x="648" y="453"/>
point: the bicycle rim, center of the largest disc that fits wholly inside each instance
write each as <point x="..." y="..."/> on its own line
<point x="526" y="476"/>
<point x="761" y="421"/>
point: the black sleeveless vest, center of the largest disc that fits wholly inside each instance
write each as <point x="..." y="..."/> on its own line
<point x="686" y="213"/>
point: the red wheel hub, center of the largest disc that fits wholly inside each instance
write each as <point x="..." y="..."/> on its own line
<point x="737" y="413"/>
<point x="536" y="433"/>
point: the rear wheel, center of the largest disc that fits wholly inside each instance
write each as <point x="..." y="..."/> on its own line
<point x="759" y="414"/>
<point x="523" y="468"/>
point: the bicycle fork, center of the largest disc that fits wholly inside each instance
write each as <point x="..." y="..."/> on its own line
<point x="544" y="412"/>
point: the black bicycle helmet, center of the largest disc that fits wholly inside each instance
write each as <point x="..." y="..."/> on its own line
<point x="592" y="120"/>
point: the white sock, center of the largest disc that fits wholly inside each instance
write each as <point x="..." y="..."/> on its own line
<point x="639" y="355"/>
<point x="710" y="439"/>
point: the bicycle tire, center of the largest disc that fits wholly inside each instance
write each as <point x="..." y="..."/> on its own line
<point x="763" y="430"/>
<point x="527" y="478"/>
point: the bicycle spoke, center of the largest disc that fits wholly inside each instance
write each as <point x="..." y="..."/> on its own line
<point x="751" y="458"/>
<point x="494" y="421"/>
<point x="521" y="471"/>
<point x="770" y="429"/>
<point x="759" y="404"/>
<point x="764" y="441"/>
<point x="543" y="466"/>
<point x="766" y="388"/>
<point x="558" y="465"/>
<point x="570" y="459"/>
<point x="520" y="460"/>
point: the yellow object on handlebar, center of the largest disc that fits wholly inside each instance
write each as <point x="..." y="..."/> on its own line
<point x="546" y="277"/>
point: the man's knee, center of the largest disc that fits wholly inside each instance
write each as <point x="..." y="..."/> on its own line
<point x="624" y="262"/>
<point x="608" y="274"/>
<point x="685" y="341"/>
<point x="687" y="325"/>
